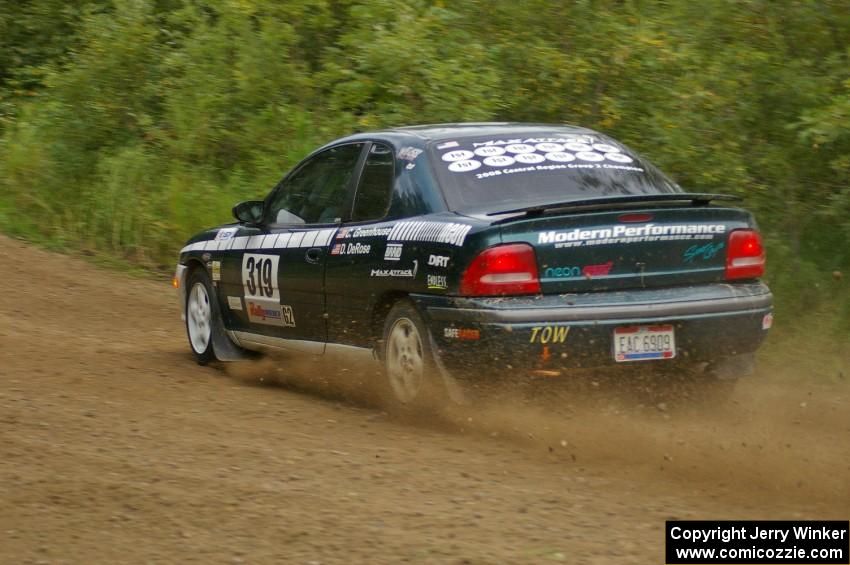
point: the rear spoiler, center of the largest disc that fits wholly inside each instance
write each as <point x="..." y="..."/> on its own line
<point x="696" y="199"/>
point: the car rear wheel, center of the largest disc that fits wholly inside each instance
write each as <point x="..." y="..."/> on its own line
<point x="410" y="373"/>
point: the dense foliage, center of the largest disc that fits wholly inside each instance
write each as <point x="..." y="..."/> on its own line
<point x="128" y="124"/>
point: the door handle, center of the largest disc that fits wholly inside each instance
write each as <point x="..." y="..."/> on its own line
<point x="314" y="254"/>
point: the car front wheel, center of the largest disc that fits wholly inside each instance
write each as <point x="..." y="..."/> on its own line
<point x="202" y="316"/>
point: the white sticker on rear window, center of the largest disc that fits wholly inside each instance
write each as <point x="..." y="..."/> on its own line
<point x="605" y="148"/>
<point x="459" y="155"/>
<point x="463" y="166"/>
<point x="549" y="147"/>
<point x="499" y="161"/>
<point x="618" y="157"/>
<point x="519" y="148"/>
<point x="489" y="151"/>
<point x="560" y="157"/>
<point x="530" y="158"/>
<point x="590" y="156"/>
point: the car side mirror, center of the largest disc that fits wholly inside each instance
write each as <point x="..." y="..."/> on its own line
<point x="249" y="212"/>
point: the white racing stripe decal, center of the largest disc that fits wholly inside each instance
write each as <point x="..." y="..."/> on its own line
<point x="324" y="237"/>
<point x="295" y="240"/>
<point x="283" y="240"/>
<point x="310" y="238"/>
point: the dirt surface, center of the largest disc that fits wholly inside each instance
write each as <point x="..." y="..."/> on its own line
<point x="116" y="447"/>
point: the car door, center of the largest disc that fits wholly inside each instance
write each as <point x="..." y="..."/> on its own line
<point x="282" y="266"/>
<point x="358" y="247"/>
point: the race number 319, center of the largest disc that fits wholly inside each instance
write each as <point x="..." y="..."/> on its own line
<point x="259" y="275"/>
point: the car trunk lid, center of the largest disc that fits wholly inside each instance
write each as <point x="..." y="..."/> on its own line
<point x="644" y="246"/>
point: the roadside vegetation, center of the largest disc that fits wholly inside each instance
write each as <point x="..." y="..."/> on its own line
<point x="126" y="125"/>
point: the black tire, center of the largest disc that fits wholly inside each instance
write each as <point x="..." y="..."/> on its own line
<point x="202" y="312"/>
<point x="411" y="377"/>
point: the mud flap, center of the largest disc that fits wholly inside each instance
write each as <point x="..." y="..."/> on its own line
<point x="223" y="347"/>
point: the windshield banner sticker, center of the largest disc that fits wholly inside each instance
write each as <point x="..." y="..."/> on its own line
<point x="502" y="156"/>
<point x="430" y="232"/>
<point x="629" y="234"/>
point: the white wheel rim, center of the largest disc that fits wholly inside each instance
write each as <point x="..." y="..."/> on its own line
<point x="405" y="360"/>
<point x="199" y="318"/>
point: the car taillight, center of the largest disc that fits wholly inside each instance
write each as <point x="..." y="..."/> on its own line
<point x="502" y="270"/>
<point x="745" y="255"/>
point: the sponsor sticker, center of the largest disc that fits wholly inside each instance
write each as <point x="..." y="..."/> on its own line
<point x="225" y="233"/>
<point x="549" y="334"/>
<point x="437" y="282"/>
<point x="354" y="248"/>
<point x="587" y="271"/>
<point x="430" y="232"/>
<point x="621" y="234"/>
<point x="234" y="303"/>
<point x="447" y="145"/>
<point x="438" y="261"/>
<point x="351" y="233"/>
<point x="272" y="314"/>
<point x="408" y="273"/>
<point x="393" y="252"/>
<point x="215" y="270"/>
<point x="702" y="252"/>
<point x="409" y="153"/>
<point x="469" y="334"/>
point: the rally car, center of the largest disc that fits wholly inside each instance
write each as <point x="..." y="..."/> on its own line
<point x="449" y="253"/>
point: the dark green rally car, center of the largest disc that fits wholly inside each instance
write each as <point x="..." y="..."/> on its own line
<point x="449" y="253"/>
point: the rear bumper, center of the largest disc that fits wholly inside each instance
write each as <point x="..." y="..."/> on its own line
<point x="497" y="334"/>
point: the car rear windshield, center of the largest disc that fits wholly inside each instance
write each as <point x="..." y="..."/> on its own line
<point x="488" y="174"/>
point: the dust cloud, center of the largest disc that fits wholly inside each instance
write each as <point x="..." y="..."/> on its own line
<point x="769" y="438"/>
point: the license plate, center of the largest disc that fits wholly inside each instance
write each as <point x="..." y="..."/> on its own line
<point x="644" y="343"/>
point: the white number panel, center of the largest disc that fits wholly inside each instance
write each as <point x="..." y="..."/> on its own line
<point x="259" y="276"/>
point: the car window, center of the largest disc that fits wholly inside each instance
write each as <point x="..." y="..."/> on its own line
<point x="373" y="193"/>
<point x="492" y="173"/>
<point x="316" y="192"/>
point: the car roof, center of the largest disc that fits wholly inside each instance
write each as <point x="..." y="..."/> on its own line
<point x="421" y="134"/>
<point x="436" y="132"/>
